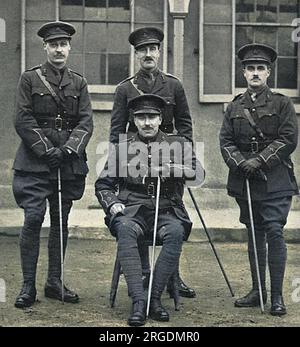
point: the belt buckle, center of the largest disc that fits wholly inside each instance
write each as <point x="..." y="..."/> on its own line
<point x="151" y="189"/>
<point x="254" y="147"/>
<point x="58" y="123"/>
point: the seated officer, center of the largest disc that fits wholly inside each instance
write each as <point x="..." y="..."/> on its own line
<point x="133" y="169"/>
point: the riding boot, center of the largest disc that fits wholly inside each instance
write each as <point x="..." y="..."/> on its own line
<point x="29" y="247"/>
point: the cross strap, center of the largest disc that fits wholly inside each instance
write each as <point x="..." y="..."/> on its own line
<point x="48" y="86"/>
<point x="253" y="124"/>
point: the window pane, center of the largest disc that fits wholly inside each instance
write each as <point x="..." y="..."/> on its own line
<point x="118" y="68"/>
<point x="71" y="9"/>
<point x="119" y="10"/>
<point x="286" y="46"/>
<point x="117" y="35"/>
<point x="217" y="69"/>
<point x="266" y="35"/>
<point x="245" y="11"/>
<point x="75" y="62"/>
<point x="240" y="81"/>
<point x="95" y="9"/>
<point x="223" y="14"/>
<point x="77" y="39"/>
<point x="93" y="68"/>
<point x="96" y="37"/>
<point x="244" y="36"/>
<point x="288" y="10"/>
<point x="147" y="11"/>
<point x="40" y="9"/>
<point x="266" y="11"/>
<point x="287" y="73"/>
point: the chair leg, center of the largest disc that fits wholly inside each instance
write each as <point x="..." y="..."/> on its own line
<point x="175" y="289"/>
<point x="115" y="282"/>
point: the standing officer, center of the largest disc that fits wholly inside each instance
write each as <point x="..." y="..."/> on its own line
<point x="130" y="214"/>
<point x="258" y="134"/>
<point x="150" y="79"/>
<point x="54" y="121"/>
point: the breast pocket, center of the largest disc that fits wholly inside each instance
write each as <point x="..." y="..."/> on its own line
<point x="42" y="101"/>
<point x="71" y="101"/>
<point x="269" y="123"/>
<point x="241" y="126"/>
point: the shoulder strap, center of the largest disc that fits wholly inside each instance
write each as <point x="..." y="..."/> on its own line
<point x="48" y="86"/>
<point x="138" y="90"/>
<point x="253" y="124"/>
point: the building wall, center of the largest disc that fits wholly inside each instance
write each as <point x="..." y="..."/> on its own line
<point x="207" y="117"/>
<point x="10" y="11"/>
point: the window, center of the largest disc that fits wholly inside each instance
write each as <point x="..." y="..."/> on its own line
<point x="244" y="22"/>
<point x="100" y="47"/>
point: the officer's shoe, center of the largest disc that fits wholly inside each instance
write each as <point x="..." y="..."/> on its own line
<point x="27" y="295"/>
<point x="183" y="290"/>
<point x="277" y="306"/>
<point x="157" y="311"/>
<point x="53" y="290"/>
<point x="251" y="299"/>
<point x="138" y="314"/>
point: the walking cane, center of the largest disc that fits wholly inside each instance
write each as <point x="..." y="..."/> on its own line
<point x="61" y="234"/>
<point x="210" y="241"/>
<point x="153" y="244"/>
<point x="254" y="246"/>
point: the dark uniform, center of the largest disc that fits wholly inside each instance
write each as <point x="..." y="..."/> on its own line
<point x="137" y="193"/>
<point x="175" y="118"/>
<point x="165" y="85"/>
<point x="54" y="131"/>
<point x="270" y="140"/>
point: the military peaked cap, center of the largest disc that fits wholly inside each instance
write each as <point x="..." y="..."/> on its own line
<point x="145" y="36"/>
<point x="147" y="103"/>
<point x="56" y="30"/>
<point x="257" y="52"/>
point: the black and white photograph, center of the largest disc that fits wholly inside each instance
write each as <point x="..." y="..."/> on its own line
<point x="149" y="166"/>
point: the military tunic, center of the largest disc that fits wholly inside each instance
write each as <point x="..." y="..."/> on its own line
<point x="35" y="120"/>
<point x="134" y="192"/>
<point x="275" y="115"/>
<point x="165" y="85"/>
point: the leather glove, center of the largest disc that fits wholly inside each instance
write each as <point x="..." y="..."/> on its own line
<point x="249" y="166"/>
<point x="54" y="158"/>
<point x="67" y="153"/>
<point x="116" y="208"/>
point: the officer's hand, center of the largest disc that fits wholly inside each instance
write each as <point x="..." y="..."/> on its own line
<point x="54" y="158"/>
<point x="67" y="153"/>
<point x="249" y="166"/>
<point x="116" y="208"/>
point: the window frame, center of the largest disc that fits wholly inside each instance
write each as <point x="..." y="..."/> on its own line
<point x="110" y="88"/>
<point x="220" y="98"/>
